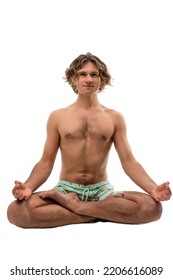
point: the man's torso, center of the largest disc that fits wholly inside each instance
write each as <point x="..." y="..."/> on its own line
<point x="85" y="140"/>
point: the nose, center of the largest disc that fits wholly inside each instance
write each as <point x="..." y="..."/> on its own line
<point x="88" y="78"/>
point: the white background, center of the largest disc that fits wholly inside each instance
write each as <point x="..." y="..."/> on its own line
<point x="39" y="39"/>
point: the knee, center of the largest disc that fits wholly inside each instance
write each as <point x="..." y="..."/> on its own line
<point x="151" y="209"/>
<point x="157" y="210"/>
<point x="18" y="214"/>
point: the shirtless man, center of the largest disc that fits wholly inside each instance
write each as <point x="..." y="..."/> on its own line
<point x="84" y="132"/>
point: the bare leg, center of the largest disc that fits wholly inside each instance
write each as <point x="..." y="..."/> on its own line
<point x="57" y="209"/>
<point x="131" y="207"/>
<point x="42" y="213"/>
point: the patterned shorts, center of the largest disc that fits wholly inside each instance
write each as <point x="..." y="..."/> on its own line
<point x="93" y="192"/>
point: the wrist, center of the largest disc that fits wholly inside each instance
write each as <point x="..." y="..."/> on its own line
<point x="29" y="186"/>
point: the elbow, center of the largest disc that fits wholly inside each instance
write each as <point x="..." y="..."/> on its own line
<point x="46" y="164"/>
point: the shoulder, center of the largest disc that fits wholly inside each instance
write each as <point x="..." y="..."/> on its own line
<point x="57" y="116"/>
<point x="54" y="117"/>
<point x="58" y="113"/>
<point x="117" y="119"/>
<point x="116" y="116"/>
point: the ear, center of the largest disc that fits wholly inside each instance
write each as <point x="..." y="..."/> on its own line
<point x="101" y="84"/>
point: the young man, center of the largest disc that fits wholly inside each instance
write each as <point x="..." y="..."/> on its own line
<point x="84" y="133"/>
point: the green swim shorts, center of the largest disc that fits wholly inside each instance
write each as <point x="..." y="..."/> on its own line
<point x="93" y="192"/>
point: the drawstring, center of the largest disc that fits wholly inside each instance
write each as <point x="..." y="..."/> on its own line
<point x="85" y="193"/>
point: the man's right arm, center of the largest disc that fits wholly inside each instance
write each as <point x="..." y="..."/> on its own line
<point x="43" y="168"/>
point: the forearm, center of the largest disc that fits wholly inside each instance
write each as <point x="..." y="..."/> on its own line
<point x="139" y="176"/>
<point x="39" y="175"/>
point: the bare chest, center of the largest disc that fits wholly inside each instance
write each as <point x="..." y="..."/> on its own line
<point x="98" y="128"/>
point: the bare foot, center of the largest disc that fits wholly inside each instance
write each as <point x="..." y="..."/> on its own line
<point x="118" y="195"/>
<point x="62" y="199"/>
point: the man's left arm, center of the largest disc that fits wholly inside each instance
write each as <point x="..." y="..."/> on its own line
<point x="133" y="168"/>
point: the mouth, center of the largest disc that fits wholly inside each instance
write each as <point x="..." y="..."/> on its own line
<point x="88" y="86"/>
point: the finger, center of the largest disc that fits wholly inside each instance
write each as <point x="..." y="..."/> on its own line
<point x="168" y="196"/>
<point x="20" y="196"/>
<point x="165" y="197"/>
<point x="42" y="195"/>
<point x="26" y="197"/>
<point x="15" y="192"/>
<point x="20" y="185"/>
<point x="17" y="182"/>
<point x="166" y="185"/>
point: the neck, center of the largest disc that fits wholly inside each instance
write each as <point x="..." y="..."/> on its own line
<point x="87" y="101"/>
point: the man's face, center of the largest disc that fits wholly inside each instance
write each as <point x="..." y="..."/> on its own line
<point x="88" y="79"/>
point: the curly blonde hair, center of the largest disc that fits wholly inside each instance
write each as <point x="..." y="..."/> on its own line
<point x="77" y="64"/>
